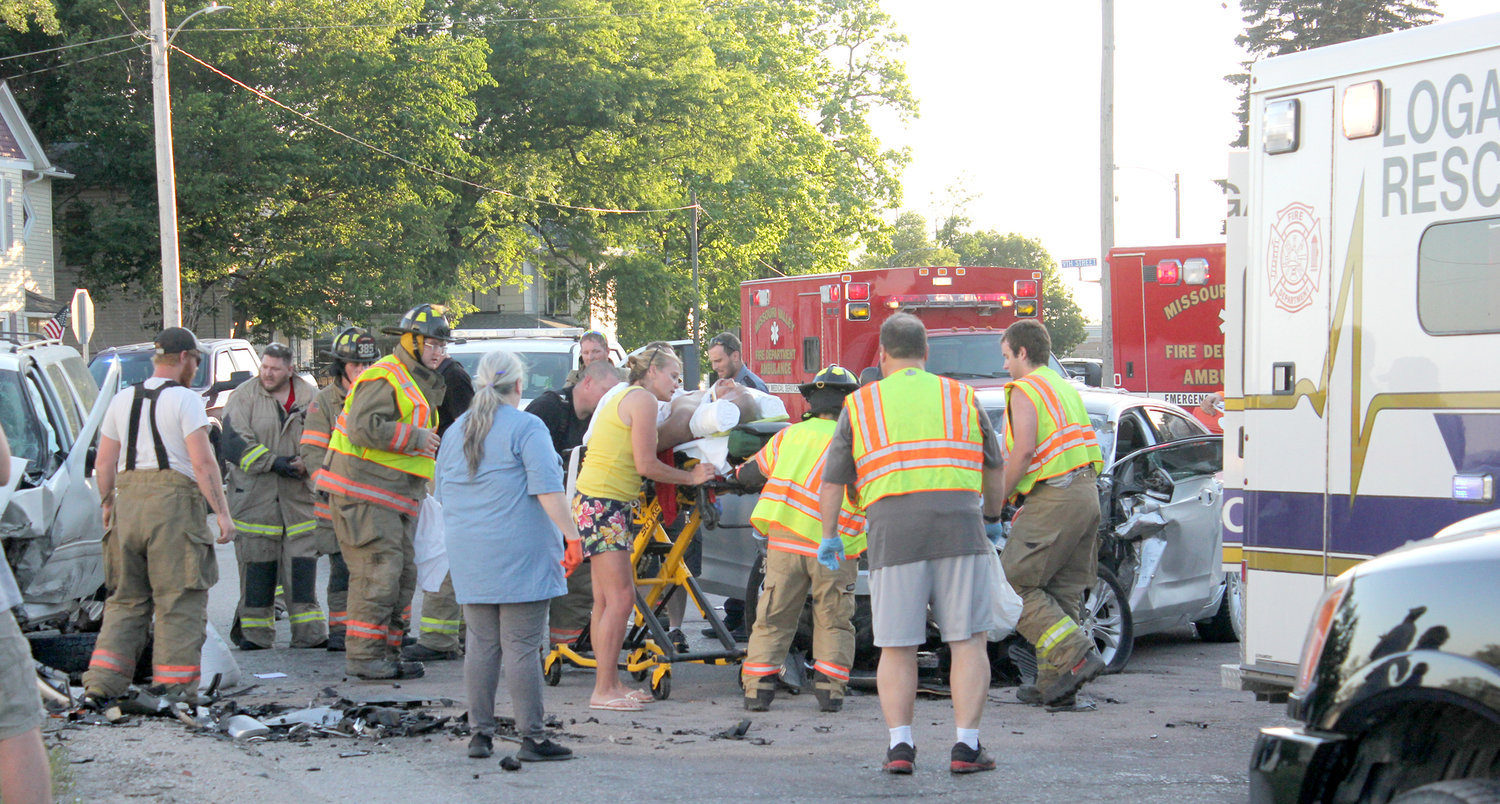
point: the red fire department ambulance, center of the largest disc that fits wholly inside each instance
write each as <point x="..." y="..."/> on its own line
<point x="1167" y="304"/>
<point x="794" y="326"/>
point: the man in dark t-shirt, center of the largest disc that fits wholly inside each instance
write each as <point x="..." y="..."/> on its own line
<point x="566" y="414"/>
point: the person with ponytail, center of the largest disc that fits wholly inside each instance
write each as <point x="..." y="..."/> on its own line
<point x="622" y="451"/>
<point x="511" y="542"/>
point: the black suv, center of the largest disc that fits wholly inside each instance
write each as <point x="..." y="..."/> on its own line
<point x="1399" y="689"/>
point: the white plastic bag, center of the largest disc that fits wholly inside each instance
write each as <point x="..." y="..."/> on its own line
<point x="714" y="417"/>
<point x="1007" y="605"/>
<point x="431" y="546"/>
<point x="217" y="661"/>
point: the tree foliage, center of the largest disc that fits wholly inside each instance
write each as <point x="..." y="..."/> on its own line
<point x="533" y="115"/>
<point x="1278" y="27"/>
<point x="24" y="14"/>
<point x="953" y="243"/>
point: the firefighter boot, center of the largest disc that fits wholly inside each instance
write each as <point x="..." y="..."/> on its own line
<point x="830" y="694"/>
<point x="380" y="670"/>
<point x="759" y="700"/>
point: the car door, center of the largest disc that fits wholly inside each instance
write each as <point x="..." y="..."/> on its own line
<point x="1169" y="497"/>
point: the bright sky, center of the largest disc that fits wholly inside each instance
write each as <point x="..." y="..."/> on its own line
<point x="1009" y="95"/>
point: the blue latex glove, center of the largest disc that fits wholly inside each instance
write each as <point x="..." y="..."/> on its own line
<point x="831" y="553"/>
<point x="996" y="532"/>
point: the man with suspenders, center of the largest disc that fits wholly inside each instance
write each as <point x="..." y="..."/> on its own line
<point x="159" y="553"/>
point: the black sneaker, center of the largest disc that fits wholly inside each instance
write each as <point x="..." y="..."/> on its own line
<point x="544" y="751"/>
<point x="900" y="760"/>
<point x="481" y="746"/>
<point x="969" y="760"/>
<point x="679" y="640"/>
<point x="336" y="643"/>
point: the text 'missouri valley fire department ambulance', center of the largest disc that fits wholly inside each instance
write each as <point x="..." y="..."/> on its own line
<point x="1363" y="317"/>
<point x="1166" y="306"/>
<point x="794" y="326"/>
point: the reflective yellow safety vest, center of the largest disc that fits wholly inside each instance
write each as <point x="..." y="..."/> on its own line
<point x="1065" y="439"/>
<point x="787" y="512"/>
<point x="415" y="412"/>
<point x="915" y="431"/>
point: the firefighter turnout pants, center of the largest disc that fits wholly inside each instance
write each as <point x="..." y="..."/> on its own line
<point x="1050" y="558"/>
<point x="160" y="561"/>
<point x="376" y="543"/>
<point x="569" y="615"/>
<point x="338" y="578"/>
<point x="261" y="550"/>
<point x="790" y="577"/>
<point x="442" y="619"/>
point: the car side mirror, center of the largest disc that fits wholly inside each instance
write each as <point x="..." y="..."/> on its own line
<point x="89" y="459"/>
<point x="1159" y="485"/>
<point x="236" y="379"/>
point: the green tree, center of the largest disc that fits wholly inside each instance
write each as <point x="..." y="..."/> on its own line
<point x="23" y="14"/>
<point x="1278" y="27"/>
<point x="911" y="245"/>
<point x="1063" y="316"/>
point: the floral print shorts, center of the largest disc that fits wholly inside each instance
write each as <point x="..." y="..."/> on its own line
<point x="604" y="524"/>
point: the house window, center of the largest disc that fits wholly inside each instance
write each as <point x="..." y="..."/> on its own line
<point x="7" y="233"/>
<point x="28" y="217"/>
<point x="558" y="301"/>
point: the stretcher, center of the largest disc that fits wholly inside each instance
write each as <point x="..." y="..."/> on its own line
<point x="661" y="573"/>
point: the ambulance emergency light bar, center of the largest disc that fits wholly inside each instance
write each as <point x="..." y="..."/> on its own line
<point x="1192" y="271"/>
<point x="986" y="302"/>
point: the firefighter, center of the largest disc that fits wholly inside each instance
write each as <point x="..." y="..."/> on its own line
<point x="442" y="629"/>
<point x="352" y="351"/>
<point x="381" y="459"/>
<point x="1052" y="462"/>
<point x="271" y="503"/>
<point x="156" y="468"/>
<point x="791" y="467"/>
<point x="919" y="451"/>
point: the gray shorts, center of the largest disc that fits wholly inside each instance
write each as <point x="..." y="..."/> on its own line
<point x="961" y="591"/>
<point x="20" y="703"/>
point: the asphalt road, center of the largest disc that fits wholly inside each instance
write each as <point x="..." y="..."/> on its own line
<point x="1164" y="731"/>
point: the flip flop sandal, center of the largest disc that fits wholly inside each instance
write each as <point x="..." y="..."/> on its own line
<point x="619" y="705"/>
<point x="641" y="696"/>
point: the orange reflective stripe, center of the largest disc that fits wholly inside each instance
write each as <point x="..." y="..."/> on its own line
<point x="759" y="670"/>
<point x="314" y="437"/>
<point x="110" y="661"/>
<point x="174" y="674"/>
<point x="344" y="487"/>
<point x="779" y="540"/>
<point x="363" y="630"/>
<point x="1061" y="440"/>
<point x="337" y="617"/>
<point x="398" y="440"/>
<point x="1049" y="399"/>
<point x="921" y="455"/>
<point x="833" y="671"/>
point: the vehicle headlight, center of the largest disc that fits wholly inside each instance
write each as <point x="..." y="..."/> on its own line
<point x="1317" y="636"/>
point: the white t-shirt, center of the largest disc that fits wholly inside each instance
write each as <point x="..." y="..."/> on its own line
<point x="179" y="411"/>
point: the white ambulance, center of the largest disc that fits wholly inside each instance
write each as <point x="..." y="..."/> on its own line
<point x="1362" y="322"/>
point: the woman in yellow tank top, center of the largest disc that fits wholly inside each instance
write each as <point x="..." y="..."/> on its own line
<point x="621" y="452"/>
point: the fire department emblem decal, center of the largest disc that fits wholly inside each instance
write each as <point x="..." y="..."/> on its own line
<point x="1294" y="262"/>
<point x="775" y="332"/>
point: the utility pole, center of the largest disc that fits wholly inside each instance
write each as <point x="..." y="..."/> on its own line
<point x="166" y="174"/>
<point x="1106" y="182"/>
<point x="694" y="364"/>
<point x="1177" y="198"/>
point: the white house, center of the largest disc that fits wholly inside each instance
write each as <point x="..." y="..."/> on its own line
<point x="27" y="250"/>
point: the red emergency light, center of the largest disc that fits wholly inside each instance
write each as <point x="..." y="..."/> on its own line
<point x="857" y="291"/>
<point x="1168" y="272"/>
<point x="832" y="293"/>
<point x="1024" y="288"/>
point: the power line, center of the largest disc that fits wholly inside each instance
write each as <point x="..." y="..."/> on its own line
<point x="403" y="160"/>
<point x="67" y="47"/>
<point x="71" y="63"/>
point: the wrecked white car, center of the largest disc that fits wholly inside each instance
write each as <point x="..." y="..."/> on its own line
<point x="50" y="522"/>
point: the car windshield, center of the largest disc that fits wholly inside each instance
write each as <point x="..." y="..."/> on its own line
<point x="26" y="436"/>
<point x="135" y="367"/>
<point x="967" y="357"/>
<point x="546" y="371"/>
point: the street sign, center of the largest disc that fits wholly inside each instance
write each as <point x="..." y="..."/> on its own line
<point x="1087" y="262"/>
<point x="82" y="310"/>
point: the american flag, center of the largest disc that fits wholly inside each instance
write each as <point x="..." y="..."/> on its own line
<point x="57" y="324"/>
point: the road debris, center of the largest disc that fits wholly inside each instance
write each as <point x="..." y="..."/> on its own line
<point x="510" y="763"/>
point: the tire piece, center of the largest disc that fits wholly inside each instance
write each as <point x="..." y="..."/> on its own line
<point x="68" y="653"/>
<point x="1225" y="625"/>
<point x="1106" y="615"/>
<point x="1459" y="791"/>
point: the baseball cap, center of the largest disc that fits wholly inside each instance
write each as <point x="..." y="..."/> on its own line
<point x="175" y="340"/>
